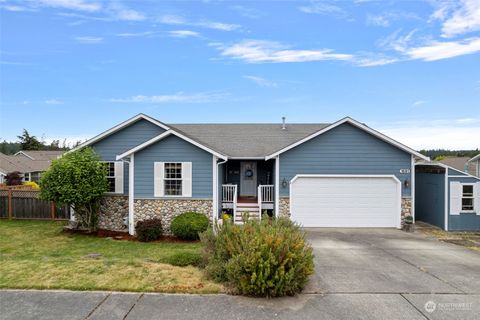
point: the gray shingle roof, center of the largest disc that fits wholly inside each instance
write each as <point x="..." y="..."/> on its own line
<point x="247" y="140"/>
<point x="43" y="155"/>
<point x="22" y="164"/>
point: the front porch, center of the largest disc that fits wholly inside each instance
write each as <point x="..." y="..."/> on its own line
<point x="247" y="187"/>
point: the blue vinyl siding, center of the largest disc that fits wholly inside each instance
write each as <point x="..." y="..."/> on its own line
<point x="125" y="139"/>
<point x="173" y="149"/>
<point x="345" y="150"/>
<point x="456" y="173"/>
<point x="430" y="198"/>
<point x="463" y="221"/>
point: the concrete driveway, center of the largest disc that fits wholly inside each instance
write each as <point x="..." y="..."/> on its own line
<point x="360" y="274"/>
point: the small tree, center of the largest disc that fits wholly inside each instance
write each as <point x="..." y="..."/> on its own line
<point x="13" y="178"/>
<point x="77" y="179"/>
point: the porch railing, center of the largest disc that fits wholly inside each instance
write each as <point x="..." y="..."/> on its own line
<point x="265" y="196"/>
<point x="229" y="195"/>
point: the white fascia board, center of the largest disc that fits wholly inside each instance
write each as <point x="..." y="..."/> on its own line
<point x="26" y="155"/>
<point x="119" y="127"/>
<point x="359" y="125"/>
<point x="477" y="157"/>
<point x="164" y="135"/>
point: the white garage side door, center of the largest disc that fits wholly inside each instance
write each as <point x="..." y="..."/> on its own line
<point x="346" y="201"/>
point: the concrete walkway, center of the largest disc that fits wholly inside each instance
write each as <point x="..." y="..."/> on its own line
<point x="360" y="274"/>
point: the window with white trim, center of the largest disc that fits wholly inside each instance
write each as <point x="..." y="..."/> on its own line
<point x="172" y="180"/>
<point x="467" y="197"/>
<point x="110" y="167"/>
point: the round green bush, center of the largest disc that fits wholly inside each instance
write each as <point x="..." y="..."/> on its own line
<point x="183" y="259"/>
<point x="267" y="258"/>
<point x="188" y="225"/>
<point x="148" y="230"/>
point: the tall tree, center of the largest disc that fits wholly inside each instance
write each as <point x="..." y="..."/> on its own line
<point x="29" y="142"/>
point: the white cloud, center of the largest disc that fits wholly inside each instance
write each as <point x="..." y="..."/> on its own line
<point x="262" y="51"/>
<point x="179" y="97"/>
<point x="53" y="101"/>
<point x="177" y="20"/>
<point x="261" y="82"/>
<point x="444" y="50"/>
<point x="78" y="5"/>
<point x="120" y="12"/>
<point x="322" y="8"/>
<point x="183" y="33"/>
<point x="456" y="134"/>
<point x="15" y="8"/>
<point x="89" y="40"/>
<point x="458" y="17"/>
<point x="378" y="20"/>
<point x="136" y="34"/>
<point x="373" y="61"/>
<point x="418" y="103"/>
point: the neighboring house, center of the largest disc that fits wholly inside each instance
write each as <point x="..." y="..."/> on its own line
<point x="343" y="174"/>
<point x="463" y="164"/>
<point x="447" y="197"/>
<point x="30" y="164"/>
<point x="475" y="162"/>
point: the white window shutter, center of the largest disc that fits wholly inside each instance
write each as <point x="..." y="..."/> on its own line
<point x="158" y="176"/>
<point x="455" y="198"/>
<point x="476" y="198"/>
<point x="186" y="179"/>
<point x="119" y="177"/>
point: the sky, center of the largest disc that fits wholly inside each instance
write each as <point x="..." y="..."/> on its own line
<point x="410" y="69"/>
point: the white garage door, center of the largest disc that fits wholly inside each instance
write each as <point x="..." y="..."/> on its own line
<point x="345" y="201"/>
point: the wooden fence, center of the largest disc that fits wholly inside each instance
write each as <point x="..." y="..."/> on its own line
<point x="25" y="204"/>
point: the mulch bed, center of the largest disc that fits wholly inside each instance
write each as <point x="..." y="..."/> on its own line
<point x="121" y="235"/>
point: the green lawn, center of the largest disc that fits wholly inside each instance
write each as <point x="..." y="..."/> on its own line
<point x="37" y="254"/>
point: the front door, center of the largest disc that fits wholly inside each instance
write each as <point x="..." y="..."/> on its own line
<point x="248" y="179"/>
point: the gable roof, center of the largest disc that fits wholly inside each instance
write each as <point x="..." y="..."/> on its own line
<point x="359" y="125"/>
<point x="164" y="135"/>
<point x="40" y="155"/>
<point x="247" y="140"/>
<point x="22" y="164"/>
<point x="460" y="163"/>
<point x="120" y="127"/>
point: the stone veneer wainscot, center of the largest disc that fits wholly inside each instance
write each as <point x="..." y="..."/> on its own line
<point x="167" y="209"/>
<point x="113" y="209"/>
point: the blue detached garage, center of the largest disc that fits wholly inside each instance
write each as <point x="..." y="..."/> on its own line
<point x="446" y="197"/>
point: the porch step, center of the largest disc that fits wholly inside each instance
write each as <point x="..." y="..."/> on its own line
<point x="244" y="207"/>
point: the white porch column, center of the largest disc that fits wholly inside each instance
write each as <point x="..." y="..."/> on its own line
<point x="215" y="189"/>
<point x="131" y="195"/>
<point x="277" y="185"/>
<point x="412" y="188"/>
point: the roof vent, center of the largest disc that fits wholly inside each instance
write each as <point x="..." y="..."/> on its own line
<point x="283" y="124"/>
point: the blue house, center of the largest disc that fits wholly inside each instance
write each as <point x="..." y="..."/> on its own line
<point x="342" y="174"/>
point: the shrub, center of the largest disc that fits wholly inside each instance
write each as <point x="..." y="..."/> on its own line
<point x="182" y="259"/>
<point x="188" y="225"/>
<point x="32" y="184"/>
<point x="13" y="178"/>
<point x="268" y="258"/>
<point x="148" y="230"/>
